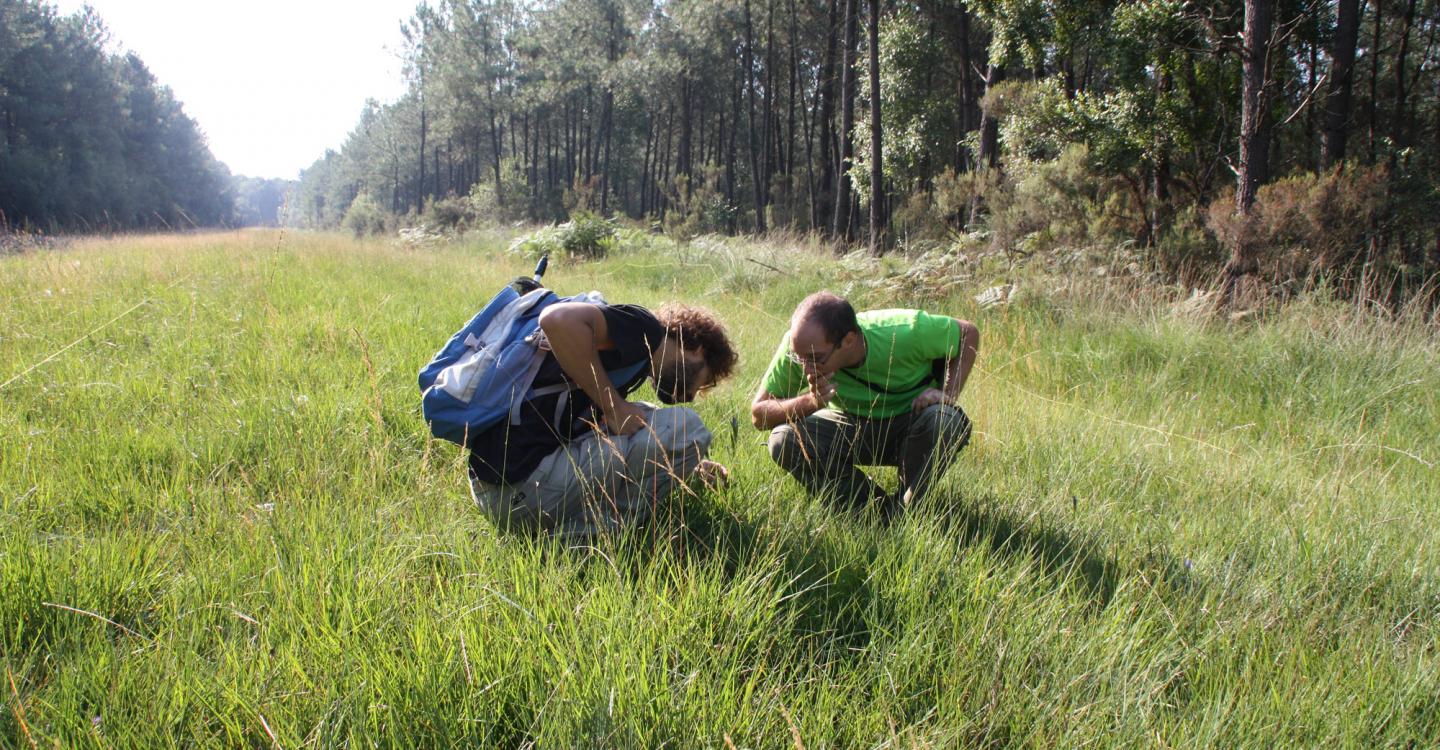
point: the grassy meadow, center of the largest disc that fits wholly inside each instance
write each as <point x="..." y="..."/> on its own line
<point x="222" y="523"/>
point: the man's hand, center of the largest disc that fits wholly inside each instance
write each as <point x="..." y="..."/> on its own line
<point x="714" y="475"/>
<point x="624" y="418"/>
<point x="768" y="411"/>
<point x="928" y="398"/>
<point x="821" y="390"/>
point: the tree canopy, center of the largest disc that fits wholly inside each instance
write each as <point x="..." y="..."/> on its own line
<point x="746" y="116"/>
<point x="89" y="139"/>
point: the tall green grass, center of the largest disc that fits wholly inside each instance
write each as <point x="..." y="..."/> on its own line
<point x="222" y="523"/>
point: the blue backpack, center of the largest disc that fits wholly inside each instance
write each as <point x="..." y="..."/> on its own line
<point x="486" y="371"/>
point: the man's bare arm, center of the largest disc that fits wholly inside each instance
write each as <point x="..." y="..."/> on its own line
<point x="768" y="411"/>
<point x="958" y="369"/>
<point x="577" y="332"/>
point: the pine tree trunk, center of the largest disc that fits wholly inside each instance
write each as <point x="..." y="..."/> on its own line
<point x="841" y="226"/>
<point x="686" y="116"/>
<point x="989" y="155"/>
<point x="807" y="135"/>
<point x="606" y="125"/>
<point x="700" y="115"/>
<point x="1159" y="199"/>
<point x="532" y="159"/>
<point x="1254" y="135"/>
<point x="662" y="191"/>
<point x="789" y="167"/>
<point x="645" y="168"/>
<point x="877" y="165"/>
<point x="730" y="176"/>
<point x="495" y="158"/>
<point x="420" y="187"/>
<point x="476" y="162"/>
<point x="755" y="176"/>
<point x="1372" y="104"/>
<point x="959" y="19"/>
<point x="769" y="140"/>
<point x="822" y="207"/>
<point x="1402" y="89"/>
<point x="1342" y="65"/>
<point x="570" y="128"/>
<point x="552" y="147"/>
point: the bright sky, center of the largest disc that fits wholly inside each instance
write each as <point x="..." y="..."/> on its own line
<point x="272" y="83"/>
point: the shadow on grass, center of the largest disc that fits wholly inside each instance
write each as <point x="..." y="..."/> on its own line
<point x="1065" y="557"/>
<point x="826" y="580"/>
<point x="825" y="586"/>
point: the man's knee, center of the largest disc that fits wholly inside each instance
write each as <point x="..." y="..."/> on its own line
<point x="511" y="508"/>
<point x="783" y="444"/>
<point x="680" y="430"/>
<point x="943" y="424"/>
<point x="792" y="448"/>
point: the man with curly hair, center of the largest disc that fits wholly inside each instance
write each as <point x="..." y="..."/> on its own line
<point x="585" y="460"/>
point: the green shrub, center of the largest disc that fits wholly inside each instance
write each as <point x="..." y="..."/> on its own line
<point x="700" y="210"/>
<point x="364" y="217"/>
<point x="586" y="236"/>
<point x="639" y="238"/>
<point x="1063" y="202"/>
<point x="1307" y="223"/>
<point x="1186" y="251"/>
<point x="914" y="219"/>
<point x="789" y="205"/>
<point x="542" y="241"/>
<point x="453" y="214"/>
<point x="934" y="216"/>
<point x="511" y="204"/>
<point x="583" y="195"/>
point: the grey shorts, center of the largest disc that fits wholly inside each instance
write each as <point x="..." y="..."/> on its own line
<point x="598" y="483"/>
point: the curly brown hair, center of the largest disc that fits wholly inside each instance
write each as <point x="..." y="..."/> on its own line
<point x="698" y="327"/>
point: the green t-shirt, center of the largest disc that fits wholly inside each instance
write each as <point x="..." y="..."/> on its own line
<point x="902" y="346"/>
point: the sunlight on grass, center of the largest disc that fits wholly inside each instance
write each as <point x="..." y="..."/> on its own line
<point x="222" y="522"/>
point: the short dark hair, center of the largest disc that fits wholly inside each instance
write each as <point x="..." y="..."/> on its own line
<point x="831" y="312"/>
<point x="697" y="327"/>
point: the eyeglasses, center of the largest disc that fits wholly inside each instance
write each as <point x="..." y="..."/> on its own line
<point x="812" y="360"/>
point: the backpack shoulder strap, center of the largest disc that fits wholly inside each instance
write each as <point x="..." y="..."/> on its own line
<point x="617" y="377"/>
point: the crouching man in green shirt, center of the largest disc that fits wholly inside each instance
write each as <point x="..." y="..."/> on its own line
<point x="877" y="388"/>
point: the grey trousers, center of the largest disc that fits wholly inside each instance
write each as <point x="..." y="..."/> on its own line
<point x="599" y="483"/>
<point x="823" y="450"/>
